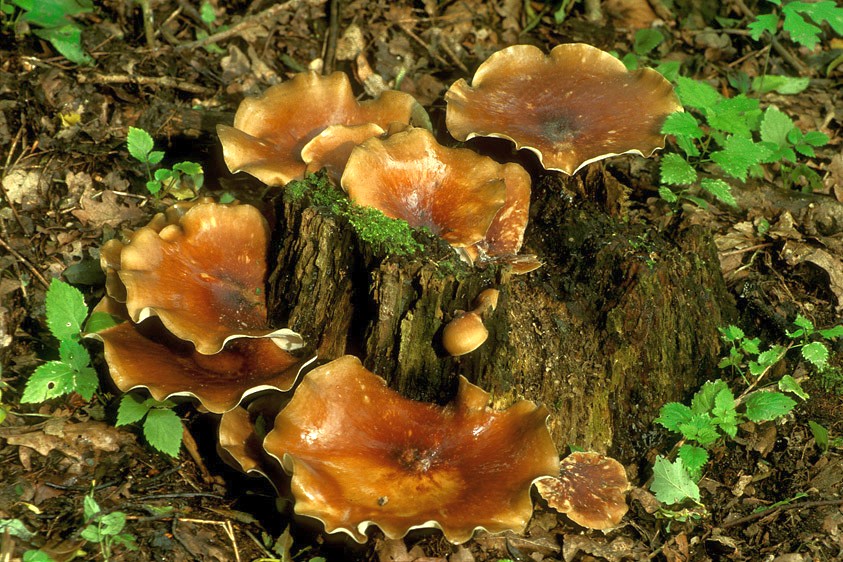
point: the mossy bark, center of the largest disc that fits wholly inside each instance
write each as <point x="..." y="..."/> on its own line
<point x="620" y="319"/>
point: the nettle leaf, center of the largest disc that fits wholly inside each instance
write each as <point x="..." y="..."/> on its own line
<point x="719" y="189"/>
<point x="163" y="430"/>
<point x="132" y="409"/>
<point x="804" y="32"/>
<point x="775" y="126"/>
<point x="764" y="22"/>
<point x="789" y="384"/>
<point x="666" y="194"/>
<point x="764" y="406"/>
<point x="731" y="333"/>
<point x="696" y="94"/>
<point x="682" y="124"/>
<point x="703" y="401"/>
<point x="669" y="69"/>
<point x="770" y="356"/>
<point x="139" y="143"/>
<point x="675" y="170"/>
<point x="700" y="428"/>
<point x="738" y="115"/>
<point x="155" y="157"/>
<point x="832" y="333"/>
<point x="785" y="85"/>
<point x="56" y="378"/>
<point x="672" y="483"/>
<point x="738" y="154"/>
<point x="816" y="138"/>
<point x="66" y="310"/>
<point x="802" y="322"/>
<point x="673" y="414"/>
<point x="694" y="459"/>
<point x="816" y="353"/>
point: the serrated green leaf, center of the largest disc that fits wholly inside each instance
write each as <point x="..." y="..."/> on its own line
<point x="804" y="323"/>
<point x="832" y="333"/>
<point x="139" y="143"/>
<point x="770" y="356"/>
<point x="703" y="400"/>
<point x="153" y="186"/>
<point x="789" y="384"/>
<point x="91" y="533"/>
<point x="764" y="22"/>
<point x="738" y="155"/>
<point x="669" y="69"/>
<point x="801" y="30"/>
<point x="66" y="310"/>
<point x="206" y="12"/>
<point x="750" y="345"/>
<point x="74" y="355"/>
<point x="721" y="190"/>
<point x="819" y="432"/>
<point x="764" y="406"/>
<point x="675" y="170"/>
<point x="816" y="353"/>
<point x="666" y="194"/>
<point x="49" y="380"/>
<point x="112" y="523"/>
<point x="700" y="428"/>
<point x="67" y="40"/>
<point x="646" y="39"/>
<point x="163" y="430"/>
<point x="731" y="333"/>
<point x="36" y="556"/>
<point x="696" y="94"/>
<point x="672" y="415"/>
<point x="189" y="168"/>
<point x="671" y="482"/>
<point x="785" y="85"/>
<point x="155" y="157"/>
<point x="775" y="126"/>
<point x="163" y="174"/>
<point x="131" y="409"/>
<point x="739" y="115"/>
<point x="816" y="138"/>
<point x="694" y="459"/>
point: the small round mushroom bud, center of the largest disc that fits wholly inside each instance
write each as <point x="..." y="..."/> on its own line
<point x="464" y="334"/>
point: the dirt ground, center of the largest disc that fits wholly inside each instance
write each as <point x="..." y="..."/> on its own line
<point x="69" y="185"/>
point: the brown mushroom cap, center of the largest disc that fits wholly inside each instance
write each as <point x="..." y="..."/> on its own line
<point x="203" y="277"/>
<point x="464" y="334"/>
<point x="331" y="148"/>
<point x="506" y="232"/>
<point x="360" y="454"/>
<point x="590" y="489"/>
<point x="454" y="192"/>
<point x="270" y="131"/>
<point x="572" y="107"/>
<point x="147" y="356"/>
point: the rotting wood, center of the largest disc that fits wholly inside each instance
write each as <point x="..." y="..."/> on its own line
<point x="620" y="320"/>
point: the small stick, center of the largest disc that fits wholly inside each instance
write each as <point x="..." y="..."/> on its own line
<point x="24" y="261"/>
<point x="165" y="81"/>
<point x="753" y="516"/>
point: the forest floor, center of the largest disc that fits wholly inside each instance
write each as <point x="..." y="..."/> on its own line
<point x="68" y="185"/>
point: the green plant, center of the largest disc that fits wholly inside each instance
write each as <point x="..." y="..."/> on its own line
<point x="182" y="181"/>
<point x="162" y="427"/>
<point x="209" y="18"/>
<point x="106" y="529"/>
<point x="384" y="234"/>
<point x="715" y="413"/>
<point x="53" y="23"/>
<point x="735" y="136"/>
<point x="16" y="528"/>
<point x="801" y="21"/>
<point x="72" y="372"/>
<point x="644" y="43"/>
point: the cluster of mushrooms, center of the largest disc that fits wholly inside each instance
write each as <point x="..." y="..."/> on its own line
<point x="187" y="295"/>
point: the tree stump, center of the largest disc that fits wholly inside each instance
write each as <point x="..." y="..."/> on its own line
<point x="619" y="320"/>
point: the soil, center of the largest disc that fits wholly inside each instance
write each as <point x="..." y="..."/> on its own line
<point x="68" y="185"/>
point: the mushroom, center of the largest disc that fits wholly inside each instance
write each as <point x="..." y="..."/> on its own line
<point x="590" y="490"/>
<point x="360" y="455"/>
<point x="147" y="356"/>
<point x="331" y="148"/>
<point x="203" y="276"/>
<point x="454" y="192"/>
<point x="572" y="107"/>
<point x="270" y="131"/>
<point x="466" y="331"/>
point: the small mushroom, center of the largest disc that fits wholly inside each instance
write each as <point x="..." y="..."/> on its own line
<point x="454" y="192"/>
<point x="572" y="107"/>
<point x="331" y="148"/>
<point x="360" y="455"/>
<point x="466" y="331"/>
<point x="270" y="131"/>
<point x="590" y="490"/>
<point x="203" y="276"/>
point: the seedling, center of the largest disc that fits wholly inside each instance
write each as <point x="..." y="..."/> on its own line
<point x="52" y="22"/>
<point x="162" y="427"/>
<point x="106" y="529"/>
<point x="72" y="372"/>
<point x="182" y="181"/>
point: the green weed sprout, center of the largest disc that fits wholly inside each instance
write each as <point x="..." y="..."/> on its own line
<point x="162" y="427"/>
<point x="182" y="181"/>
<point x="735" y="135"/>
<point x="105" y="529"/>
<point x="72" y="372"/>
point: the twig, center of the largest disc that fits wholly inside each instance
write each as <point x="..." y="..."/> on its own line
<point x="806" y="505"/>
<point x="252" y="21"/>
<point x="226" y="525"/>
<point x="333" y="31"/>
<point x="164" y="81"/>
<point x="25" y="262"/>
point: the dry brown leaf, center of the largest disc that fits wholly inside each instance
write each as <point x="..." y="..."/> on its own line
<point x="105" y="209"/>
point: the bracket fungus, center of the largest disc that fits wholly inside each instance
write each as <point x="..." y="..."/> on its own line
<point x="590" y="490"/>
<point x="360" y="455"/>
<point x="270" y="131"/>
<point x="454" y="192"/>
<point x="575" y="106"/>
<point x="203" y="276"/>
